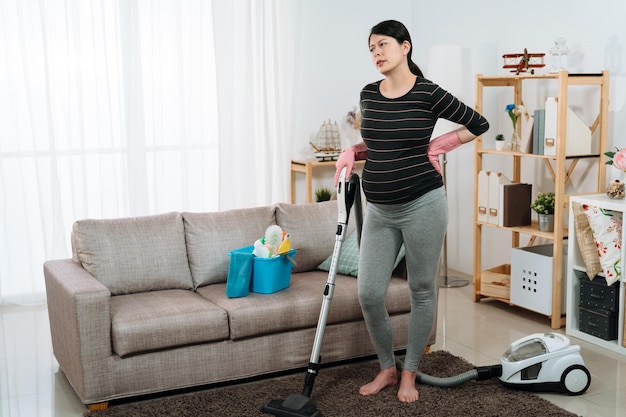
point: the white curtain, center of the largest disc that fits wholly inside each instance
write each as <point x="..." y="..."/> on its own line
<point x="255" y="43"/>
<point x="110" y="109"/>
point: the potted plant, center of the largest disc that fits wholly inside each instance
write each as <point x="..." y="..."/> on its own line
<point x="544" y="207"/>
<point x="323" y="194"/>
<point x="616" y="158"/>
<point x="499" y="142"/>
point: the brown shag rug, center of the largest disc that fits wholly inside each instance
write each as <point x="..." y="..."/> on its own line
<point x="336" y="394"/>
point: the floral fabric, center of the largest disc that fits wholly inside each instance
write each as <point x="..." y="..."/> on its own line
<point x="586" y="241"/>
<point x="606" y="226"/>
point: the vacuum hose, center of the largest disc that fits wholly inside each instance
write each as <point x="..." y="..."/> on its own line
<point x="480" y="373"/>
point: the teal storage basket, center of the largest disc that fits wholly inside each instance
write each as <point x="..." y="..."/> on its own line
<point x="270" y="275"/>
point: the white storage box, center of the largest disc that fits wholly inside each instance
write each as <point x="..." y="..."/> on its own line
<point x="531" y="278"/>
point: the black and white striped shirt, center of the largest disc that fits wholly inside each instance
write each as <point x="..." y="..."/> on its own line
<point x="397" y="131"/>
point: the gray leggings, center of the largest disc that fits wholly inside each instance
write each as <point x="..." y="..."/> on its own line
<point x="421" y="225"/>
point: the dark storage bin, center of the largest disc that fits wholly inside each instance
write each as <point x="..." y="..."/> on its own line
<point x="598" y="323"/>
<point x="597" y="294"/>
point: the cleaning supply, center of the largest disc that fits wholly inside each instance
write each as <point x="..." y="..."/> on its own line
<point x="273" y="237"/>
<point x="239" y="274"/>
<point x="264" y="267"/>
<point x="285" y="245"/>
<point x="260" y="249"/>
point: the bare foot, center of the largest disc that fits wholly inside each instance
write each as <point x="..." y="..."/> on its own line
<point x="385" y="378"/>
<point x="407" y="393"/>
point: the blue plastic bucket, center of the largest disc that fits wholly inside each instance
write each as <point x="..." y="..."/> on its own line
<point x="269" y="275"/>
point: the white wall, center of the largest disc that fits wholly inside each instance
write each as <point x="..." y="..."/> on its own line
<point x="334" y="64"/>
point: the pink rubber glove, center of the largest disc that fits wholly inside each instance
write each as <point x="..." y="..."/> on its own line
<point x="356" y="152"/>
<point x="440" y="145"/>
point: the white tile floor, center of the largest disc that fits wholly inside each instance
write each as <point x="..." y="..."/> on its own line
<point x="31" y="384"/>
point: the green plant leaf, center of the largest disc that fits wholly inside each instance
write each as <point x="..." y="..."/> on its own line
<point x="544" y="203"/>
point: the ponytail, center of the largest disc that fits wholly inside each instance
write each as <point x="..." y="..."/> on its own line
<point x="414" y="68"/>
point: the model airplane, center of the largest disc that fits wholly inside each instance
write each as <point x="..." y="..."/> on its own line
<point x="523" y="62"/>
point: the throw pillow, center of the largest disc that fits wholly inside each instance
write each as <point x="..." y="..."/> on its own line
<point x="313" y="228"/>
<point x="348" y="263"/>
<point x="586" y="243"/>
<point x="607" y="233"/>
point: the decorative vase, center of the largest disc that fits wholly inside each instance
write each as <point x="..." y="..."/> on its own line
<point x="546" y="222"/>
<point x="615" y="190"/>
<point x="515" y="141"/>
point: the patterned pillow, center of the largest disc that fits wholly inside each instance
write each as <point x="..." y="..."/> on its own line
<point x="348" y="263"/>
<point x="586" y="242"/>
<point x="607" y="233"/>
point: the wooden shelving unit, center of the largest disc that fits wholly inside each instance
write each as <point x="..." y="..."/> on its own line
<point x="560" y="167"/>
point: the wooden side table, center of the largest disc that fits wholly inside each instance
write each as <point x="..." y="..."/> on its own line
<point x="307" y="167"/>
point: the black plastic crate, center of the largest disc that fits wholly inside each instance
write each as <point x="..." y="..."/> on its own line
<point x="598" y="323"/>
<point x="597" y="294"/>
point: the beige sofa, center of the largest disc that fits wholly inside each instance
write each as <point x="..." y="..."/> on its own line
<point x="142" y="307"/>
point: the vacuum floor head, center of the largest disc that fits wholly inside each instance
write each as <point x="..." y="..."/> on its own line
<point x="295" y="405"/>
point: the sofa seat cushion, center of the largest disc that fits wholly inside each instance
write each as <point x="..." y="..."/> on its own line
<point x="137" y="254"/>
<point x="299" y="305"/>
<point x="210" y="236"/>
<point x="156" y="320"/>
<point x="313" y="228"/>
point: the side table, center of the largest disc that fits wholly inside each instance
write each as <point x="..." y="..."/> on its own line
<point x="307" y="167"/>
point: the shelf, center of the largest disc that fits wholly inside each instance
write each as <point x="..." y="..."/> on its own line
<point x="532" y="230"/>
<point x="559" y="166"/>
<point x="510" y="80"/>
<point x="532" y="155"/>
<point x="511" y="153"/>
<point x="575" y="265"/>
<point x="572" y="79"/>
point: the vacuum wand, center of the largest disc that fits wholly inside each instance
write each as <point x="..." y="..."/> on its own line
<point x="345" y="199"/>
<point x="299" y="405"/>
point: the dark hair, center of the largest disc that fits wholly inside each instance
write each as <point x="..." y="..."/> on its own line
<point x="400" y="33"/>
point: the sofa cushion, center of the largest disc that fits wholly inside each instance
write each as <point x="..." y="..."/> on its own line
<point x="135" y="254"/>
<point x="348" y="262"/>
<point x="299" y="305"/>
<point x="210" y="236"/>
<point x="164" y="319"/>
<point x="313" y="228"/>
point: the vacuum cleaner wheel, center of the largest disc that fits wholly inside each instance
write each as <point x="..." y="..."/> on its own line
<point x="575" y="380"/>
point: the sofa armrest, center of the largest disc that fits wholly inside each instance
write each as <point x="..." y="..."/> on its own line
<point x="80" y="326"/>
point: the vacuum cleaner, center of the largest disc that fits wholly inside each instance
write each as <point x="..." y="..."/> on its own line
<point x="300" y="405"/>
<point x="545" y="362"/>
<point x="541" y="362"/>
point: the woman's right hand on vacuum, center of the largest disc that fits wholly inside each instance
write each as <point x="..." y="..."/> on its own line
<point x="348" y="157"/>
